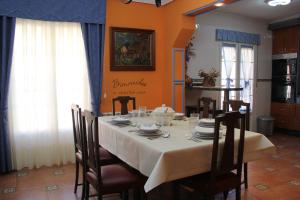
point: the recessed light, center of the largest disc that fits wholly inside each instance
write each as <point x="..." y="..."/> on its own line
<point x="278" y="2"/>
<point x="219" y="4"/>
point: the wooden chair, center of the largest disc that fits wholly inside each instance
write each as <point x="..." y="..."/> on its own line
<point x="222" y="176"/>
<point x="236" y="105"/>
<point x="124" y="100"/>
<point x="106" y="157"/>
<point x="106" y="179"/>
<point x="191" y="109"/>
<point x="77" y="127"/>
<point x="204" y="106"/>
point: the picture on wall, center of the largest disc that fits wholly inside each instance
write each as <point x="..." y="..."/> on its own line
<point x="132" y="49"/>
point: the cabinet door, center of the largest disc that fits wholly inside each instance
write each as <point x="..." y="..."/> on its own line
<point x="297" y="120"/>
<point x="292" y="39"/>
<point x="278" y="41"/>
<point x="286" y="40"/>
<point x="284" y="115"/>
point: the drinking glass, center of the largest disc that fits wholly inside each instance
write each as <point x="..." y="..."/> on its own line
<point x="134" y="113"/>
<point x="193" y="121"/>
<point x="142" y="111"/>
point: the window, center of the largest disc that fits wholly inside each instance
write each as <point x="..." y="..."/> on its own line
<point x="237" y="70"/>
<point x="49" y="73"/>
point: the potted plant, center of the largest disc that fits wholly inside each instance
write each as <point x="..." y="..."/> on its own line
<point x="209" y="78"/>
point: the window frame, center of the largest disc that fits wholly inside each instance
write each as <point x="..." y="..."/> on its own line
<point x="238" y="47"/>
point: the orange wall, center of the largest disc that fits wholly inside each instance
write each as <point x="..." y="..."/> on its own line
<point x="172" y="29"/>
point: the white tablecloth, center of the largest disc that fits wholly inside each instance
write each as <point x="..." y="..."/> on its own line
<point x="168" y="159"/>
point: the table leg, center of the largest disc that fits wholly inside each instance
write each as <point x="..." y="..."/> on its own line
<point x="226" y="98"/>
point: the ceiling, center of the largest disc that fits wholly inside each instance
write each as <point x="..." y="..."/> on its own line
<point x="163" y="2"/>
<point x="259" y="9"/>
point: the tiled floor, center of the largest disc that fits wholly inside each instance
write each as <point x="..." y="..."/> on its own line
<point x="275" y="177"/>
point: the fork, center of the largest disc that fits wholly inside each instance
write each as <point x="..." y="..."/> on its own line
<point x="194" y="139"/>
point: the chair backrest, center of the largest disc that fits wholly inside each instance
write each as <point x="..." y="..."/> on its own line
<point x="124" y="104"/>
<point x="77" y="127"/>
<point x="226" y="161"/>
<point x="91" y="143"/>
<point x="206" y="105"/>
<point x="236" y="105"/>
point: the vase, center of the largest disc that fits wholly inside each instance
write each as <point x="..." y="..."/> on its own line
<point x="209" y="82"/>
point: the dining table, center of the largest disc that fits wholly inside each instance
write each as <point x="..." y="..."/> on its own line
<point x="174" y="154"/>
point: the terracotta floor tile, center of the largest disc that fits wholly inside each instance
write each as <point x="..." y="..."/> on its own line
<point x="25" y="195"/>
<point x="8" y="180"/>
<point x="32" y="181"/>
<point x="245" y="195"/>
<point x="274" y="171"/>
<point x="287" y="192"/>
<point x="65" y="193"/>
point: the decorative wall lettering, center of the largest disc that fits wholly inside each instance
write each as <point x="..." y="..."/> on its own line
<point x="129" y="87"/>
<point x="121" y="84"/>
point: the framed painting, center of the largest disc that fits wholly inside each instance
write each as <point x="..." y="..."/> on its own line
<point x="132" y="49"/>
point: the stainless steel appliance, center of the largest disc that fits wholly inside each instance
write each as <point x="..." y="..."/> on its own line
<point x="284" y="78"/>
<point x="284" y="89"/>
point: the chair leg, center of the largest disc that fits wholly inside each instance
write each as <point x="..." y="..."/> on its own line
<point x="246" y="175"/>
<point x="143" y="194"/>
<point x="136" y="194"/>
<point x="238" y="193"/>
<point x="225" y="194"/>
<point x="125" y="195"/>
<point x="176" y="192"/>
<point x="99" y="195"/>
<point x="87" y="190"/>
<point x="83" y="184"/>
<point x="210" y="196"/>
<point x="76" y="176"/>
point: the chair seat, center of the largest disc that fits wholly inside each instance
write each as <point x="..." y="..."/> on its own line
<point x="200" y="182"/>
<point x="115" y="178"/>
<point x="106" y="157"/>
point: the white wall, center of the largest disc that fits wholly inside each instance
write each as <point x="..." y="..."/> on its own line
<point x="207" y="55"/>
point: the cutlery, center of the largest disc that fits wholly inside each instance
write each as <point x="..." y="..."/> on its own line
<point x="153" y="137"/>
<point x="166" y="135"/>
<point x="133" y="131"/>
<point x="194" y="139"/>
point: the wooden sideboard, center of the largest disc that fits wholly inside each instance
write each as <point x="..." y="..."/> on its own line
<point x="287" y="116"/>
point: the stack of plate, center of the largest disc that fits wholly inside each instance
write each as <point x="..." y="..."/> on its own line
<point x="203" y="132"/>
<point x="149" y="130"/>
<point x="179" y="116"/>
<point x="207" y="123"/>
<point x="120" y="121"/>
<point x="205" y="129"/>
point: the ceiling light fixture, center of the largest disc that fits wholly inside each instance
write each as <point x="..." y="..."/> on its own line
<point x="278" y="2"/>
<point x="157" y="2"/>
<point x="219" y="4"/>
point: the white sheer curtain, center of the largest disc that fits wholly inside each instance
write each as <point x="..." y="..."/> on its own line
<point x="228" y="68"/>
<point x="247" y="72"/>
<point x="49" y="73"/>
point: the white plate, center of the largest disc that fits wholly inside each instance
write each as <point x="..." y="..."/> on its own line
<point x="179" y="116"/>
<point x="204" y="130"/>
<point x="148" y="128"/>
<point x="207" y="120"/>
<point x="120" y="120"/>
<point x="157" y="133"/>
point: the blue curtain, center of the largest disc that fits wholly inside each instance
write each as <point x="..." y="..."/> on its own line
<point x="238" y="37"/>
<point x="93" y="35"/>
<point x="7" y="32"/>
<point x="85" y="11"/>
